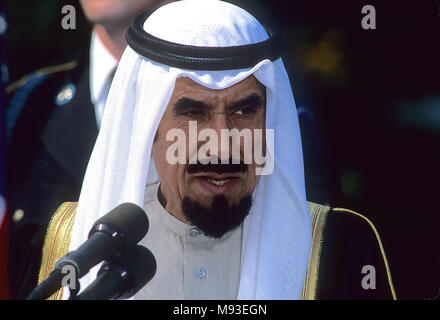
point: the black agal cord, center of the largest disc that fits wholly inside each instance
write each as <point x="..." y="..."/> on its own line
<point x="198" y="57"/>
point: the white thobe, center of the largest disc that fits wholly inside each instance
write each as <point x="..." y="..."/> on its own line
<point x="190" y="265"/>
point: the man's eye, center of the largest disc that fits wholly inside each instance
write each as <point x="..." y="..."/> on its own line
<point x="244" y="111"/>
<point x="193" y="113"/>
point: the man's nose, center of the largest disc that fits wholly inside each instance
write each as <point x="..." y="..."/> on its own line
<point x="222" y="126"/>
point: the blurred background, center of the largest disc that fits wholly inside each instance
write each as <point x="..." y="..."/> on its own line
<point x="375" y="95"/>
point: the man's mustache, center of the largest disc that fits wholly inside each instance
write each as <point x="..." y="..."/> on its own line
<point x="218" y="168"/>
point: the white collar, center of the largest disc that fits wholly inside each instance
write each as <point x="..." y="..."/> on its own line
<point x="102" y="63"/>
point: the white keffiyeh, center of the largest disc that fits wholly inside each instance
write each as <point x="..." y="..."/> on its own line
<point x="277" y="232"/>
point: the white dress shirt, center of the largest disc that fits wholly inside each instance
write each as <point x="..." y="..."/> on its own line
<point x="102" y="67"/>
<point x="190" y="265"/>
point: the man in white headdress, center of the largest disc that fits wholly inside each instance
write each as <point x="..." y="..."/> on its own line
<point x="222" y="230"/>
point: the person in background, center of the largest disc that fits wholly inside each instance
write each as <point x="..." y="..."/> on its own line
<point x="52" y="117"/>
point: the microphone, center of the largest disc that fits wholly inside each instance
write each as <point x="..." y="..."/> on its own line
<point x="122" y="277"/>
<point x="111" y="236"/>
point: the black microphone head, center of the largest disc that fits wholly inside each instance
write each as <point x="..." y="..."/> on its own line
<point x="127" y="222"/>
<point x="140" y="265"/>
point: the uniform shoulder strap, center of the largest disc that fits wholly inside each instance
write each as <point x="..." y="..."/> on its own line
<point x="40" y="72"/>
<point x="57" y="241"/>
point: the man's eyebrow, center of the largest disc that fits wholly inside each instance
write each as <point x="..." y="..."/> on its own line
<point x="253" y="100"/>
<point x="184" y="104"/>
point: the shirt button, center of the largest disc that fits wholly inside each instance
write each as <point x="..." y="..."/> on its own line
<point x="201" y="272"/>
<point x="194" y="232"/>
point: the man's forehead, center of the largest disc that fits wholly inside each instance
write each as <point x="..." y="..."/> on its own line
<point x="185" y="85"/>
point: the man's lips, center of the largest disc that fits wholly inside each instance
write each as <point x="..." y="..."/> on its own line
<point x="217" y="176"/>
<point x="217" y="183"/>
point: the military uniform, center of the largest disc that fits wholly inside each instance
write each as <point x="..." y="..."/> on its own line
<point x="51" y="130"/>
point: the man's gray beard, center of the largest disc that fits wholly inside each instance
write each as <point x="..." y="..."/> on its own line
<point x="219" y="217"/>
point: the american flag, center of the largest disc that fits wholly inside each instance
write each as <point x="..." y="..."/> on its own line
<point x="4" y="275"/>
